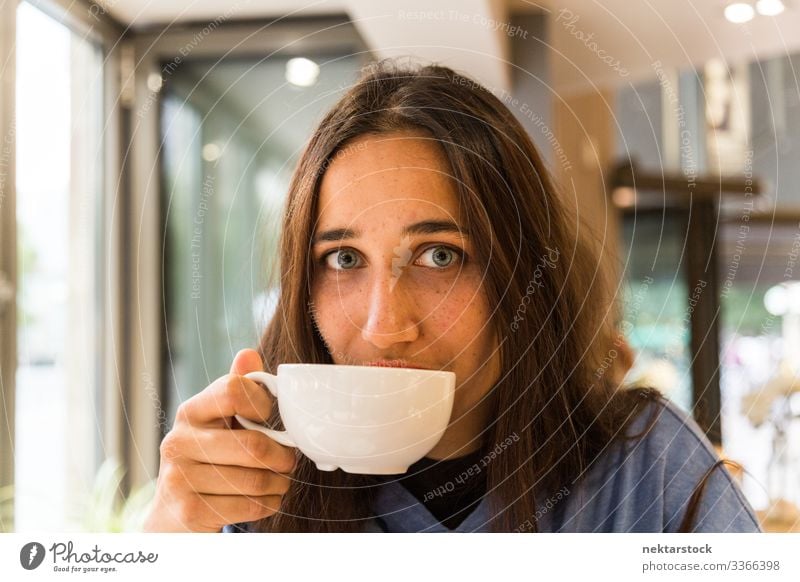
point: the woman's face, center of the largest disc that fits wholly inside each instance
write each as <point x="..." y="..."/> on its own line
<point x="394" y="277"/>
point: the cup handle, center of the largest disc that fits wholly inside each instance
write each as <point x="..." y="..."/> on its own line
<point x="271" y="383"/>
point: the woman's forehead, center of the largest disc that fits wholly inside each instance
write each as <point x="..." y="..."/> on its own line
<point x="394" y="174"/>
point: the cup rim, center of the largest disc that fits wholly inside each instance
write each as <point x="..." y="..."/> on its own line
<point x="364" y="368"/>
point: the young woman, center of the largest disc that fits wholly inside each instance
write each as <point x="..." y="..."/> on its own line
<point x="422" y="229"/>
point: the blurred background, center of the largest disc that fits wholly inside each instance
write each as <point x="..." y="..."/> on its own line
<point x="146" y="149"/>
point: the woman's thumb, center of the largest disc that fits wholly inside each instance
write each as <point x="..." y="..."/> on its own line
<point x="246" y="361"/>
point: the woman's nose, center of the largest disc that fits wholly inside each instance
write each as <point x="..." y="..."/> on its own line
<point x="390" y="312"/>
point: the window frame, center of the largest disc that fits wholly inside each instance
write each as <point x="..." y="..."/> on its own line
<point x="84" y="20"/>
<point x="151" y="49"/>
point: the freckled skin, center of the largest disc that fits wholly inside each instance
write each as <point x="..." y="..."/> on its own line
<point x="432" y="314"/>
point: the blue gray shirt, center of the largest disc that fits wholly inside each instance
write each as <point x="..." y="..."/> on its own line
<point x="642" y="485"/>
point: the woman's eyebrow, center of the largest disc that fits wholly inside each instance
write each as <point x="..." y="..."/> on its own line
<point x="423" y="227"/>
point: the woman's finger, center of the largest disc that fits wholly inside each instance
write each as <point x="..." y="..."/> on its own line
<point x="222" y="446"/>
<point x="227" y="480"/>
<point x="212" y="512"/>
<point x="224" y="398"/>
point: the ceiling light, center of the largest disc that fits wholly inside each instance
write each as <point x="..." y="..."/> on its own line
<point x="211" y="152"/>
<point x="769" y="7"/>
<point x="776" y="300"/>
<point x="154" y="82"/>
<point x="783" y="298"/>
<point x="623" y="197"/>
<point x="739" y="12"/>
<point x="302" y="72"/>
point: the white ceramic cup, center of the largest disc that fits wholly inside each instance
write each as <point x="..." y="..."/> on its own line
<point x="363" y="419"/>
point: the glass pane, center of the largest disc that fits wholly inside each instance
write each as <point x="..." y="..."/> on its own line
<point x="775" y="100"/>
<point x="638" y="118"/>
<point x="759" y="250"/>
<point x="232" y="133"/>
<point x="760" y="333"/>
<point x="59" y="117"/>
<point x="653" y="233"/>
<point x="655" y="315"/>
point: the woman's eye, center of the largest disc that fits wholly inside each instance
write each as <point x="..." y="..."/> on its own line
<point x="439" y="257"/>
<point x="342" y="260"/>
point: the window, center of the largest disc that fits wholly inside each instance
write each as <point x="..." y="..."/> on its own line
<point x="655" y="302"/>
<point x="751" y="114"/>
<point x="655" y="286"/>
<point x="231" y="134"/>
<point x="59" y="122"/>
<point x="760" y="253"/>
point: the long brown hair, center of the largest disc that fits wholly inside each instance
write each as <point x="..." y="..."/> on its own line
<point x="554" y="396"/>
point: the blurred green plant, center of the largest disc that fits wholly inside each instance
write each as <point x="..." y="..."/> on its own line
<point x="28" y="261"/>
<point x="107" y="510"/>
<point x="6" y="508"/>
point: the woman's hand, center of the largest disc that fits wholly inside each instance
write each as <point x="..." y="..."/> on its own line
<point x="211" y="474"/>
